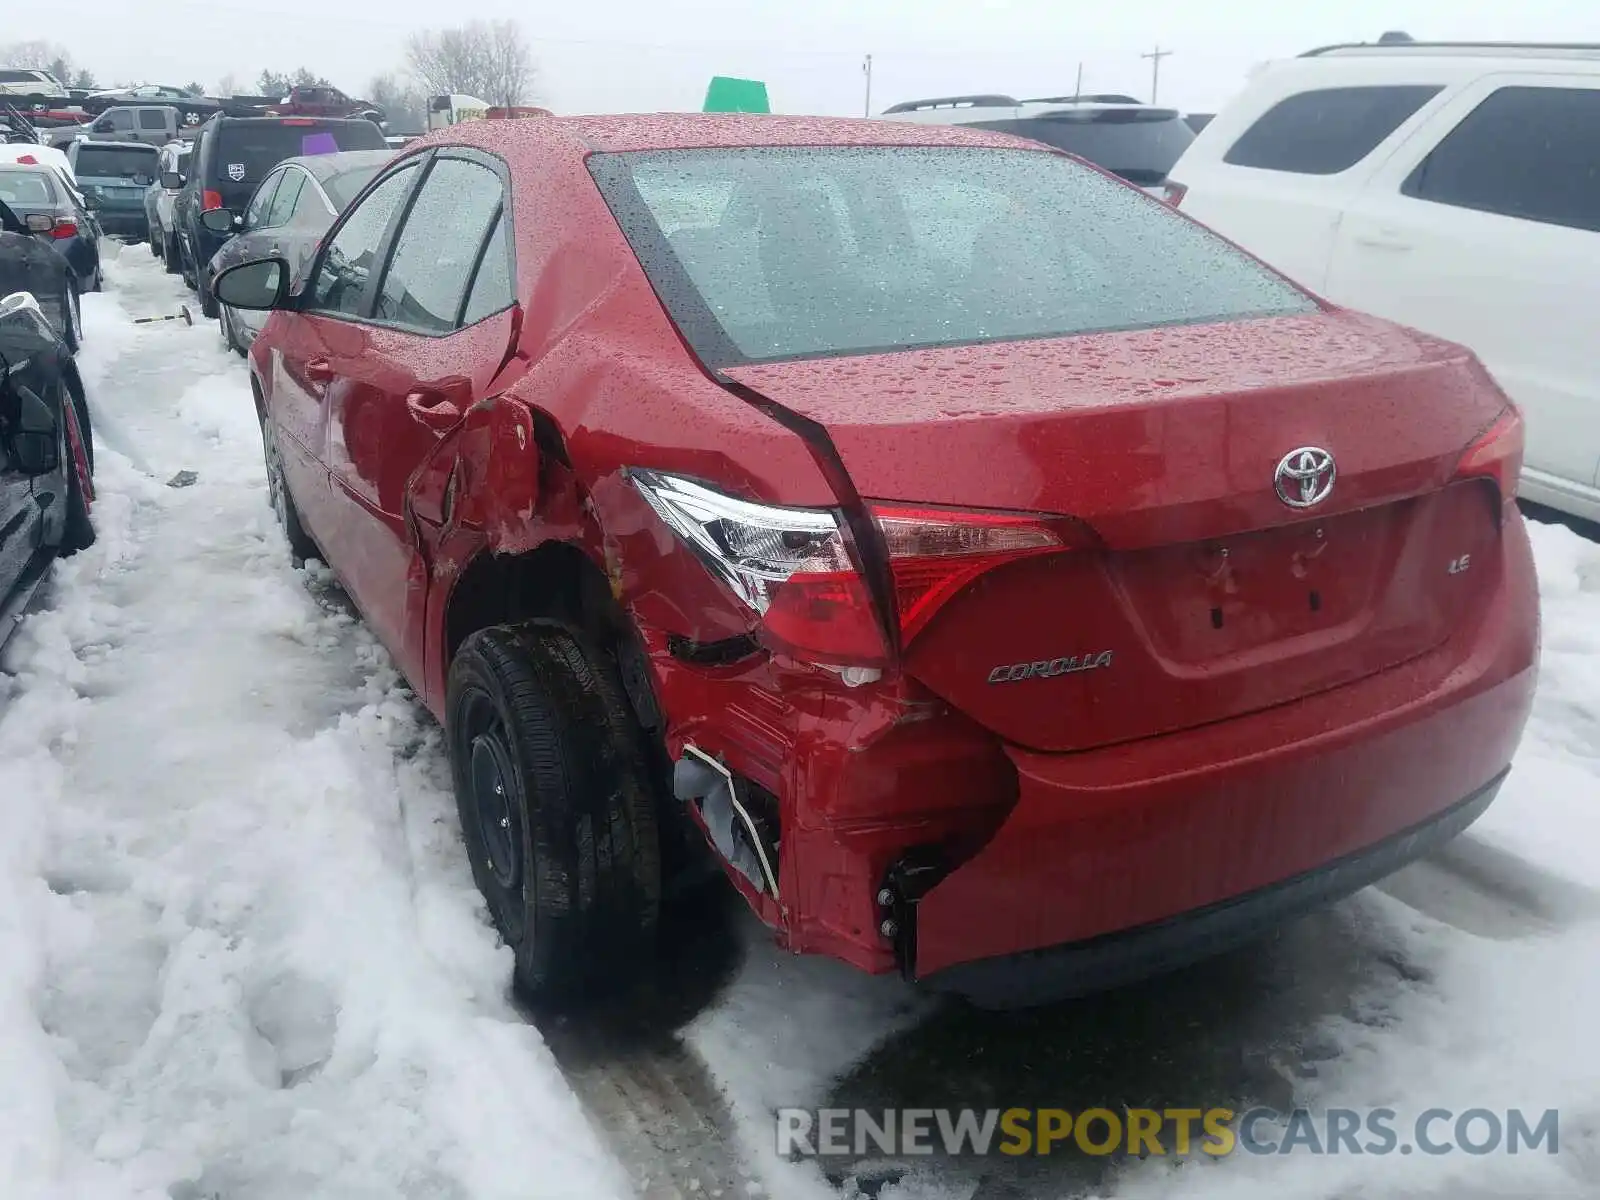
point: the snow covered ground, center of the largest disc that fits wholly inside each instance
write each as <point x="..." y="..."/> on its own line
<point x="241" y="955"/>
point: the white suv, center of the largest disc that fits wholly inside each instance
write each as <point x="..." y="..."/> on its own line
<point x="1451" y="187"/>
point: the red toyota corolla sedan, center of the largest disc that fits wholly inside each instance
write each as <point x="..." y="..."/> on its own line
<point x="1011" y="582"/>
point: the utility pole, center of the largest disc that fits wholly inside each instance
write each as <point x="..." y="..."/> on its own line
<point x="1155" y="57"/>
<point x="1077" y="90"/>
<point x="866" y="69"/>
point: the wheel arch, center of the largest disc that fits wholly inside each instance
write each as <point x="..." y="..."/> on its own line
<point x="557" y="580"/>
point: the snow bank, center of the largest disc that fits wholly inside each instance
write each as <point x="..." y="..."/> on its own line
<point x="240" y="953"/>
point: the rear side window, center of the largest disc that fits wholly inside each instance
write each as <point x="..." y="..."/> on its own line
<point x="1328" y="130"/>
<point x="1527" y="152"/>
<point x="283" y="202"/>
<point x="152" y="118"/>
<point x="438" y="246"/>
<point x="256" y="215"/>
<point x="1140" y="145"/>
<point x="491" y="288"/>
<point x="346" y="266"/>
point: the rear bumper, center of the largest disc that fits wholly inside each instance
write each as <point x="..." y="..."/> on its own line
<point x="1127" y="838"/>
<point x="1115" y="959"/>
<point x="124" y="222"/>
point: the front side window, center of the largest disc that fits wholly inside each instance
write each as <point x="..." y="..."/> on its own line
<point x="1326" y="131"/>
<point x="491" y="286"/>
<point x="342" y="274"/>
<point x="438" y="247"/>
<point x="1526" y="152"/>
<point x="120" y="120"/>
<point x="764" y="254"/>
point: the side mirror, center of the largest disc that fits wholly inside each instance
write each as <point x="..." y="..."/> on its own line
<point x="35" y="443"/>
<point x="171" y="180"/>
<point x="255" y="286"/>
<point x="220" y="220"/>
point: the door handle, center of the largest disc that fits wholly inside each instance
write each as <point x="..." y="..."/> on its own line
<point x="1382" y="239"/>
<point x="319" y="370"/>
<point x="432" y="411"/>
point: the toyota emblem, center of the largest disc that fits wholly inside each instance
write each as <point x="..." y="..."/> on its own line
<point x="1305" y="476"/>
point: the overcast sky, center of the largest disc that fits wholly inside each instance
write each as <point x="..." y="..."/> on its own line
<point x="650" y="55"/>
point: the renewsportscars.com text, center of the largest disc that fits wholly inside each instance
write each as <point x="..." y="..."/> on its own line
<point x="1138" y="1132"/>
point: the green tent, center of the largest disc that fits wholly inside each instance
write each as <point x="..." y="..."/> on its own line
<point x="727" y="94"/>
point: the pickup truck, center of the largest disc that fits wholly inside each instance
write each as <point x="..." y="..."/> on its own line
<point x="153" y="124"/>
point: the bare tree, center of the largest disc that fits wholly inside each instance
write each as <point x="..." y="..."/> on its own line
<point x="228" y="85"/>
<point x="489" y="60"/>
<point x="46" y="56"/>
<point x="402" y="101"/>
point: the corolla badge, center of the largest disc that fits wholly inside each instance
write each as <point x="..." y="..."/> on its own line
<point x="1049" y="668"/>
<point x="1305" y="476"/>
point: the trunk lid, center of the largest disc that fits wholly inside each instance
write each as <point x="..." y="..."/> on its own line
<point x="1199" y="594"/>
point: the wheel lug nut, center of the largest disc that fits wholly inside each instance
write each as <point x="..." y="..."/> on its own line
<point x="889" y="927"/>
<point x="885" y="897"/>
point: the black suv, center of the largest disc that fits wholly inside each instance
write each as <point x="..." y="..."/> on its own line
<point x="234" y="154"/>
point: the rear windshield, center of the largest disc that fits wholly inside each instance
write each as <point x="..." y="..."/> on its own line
<point x="769" y="254"/>
<point x="1139" y="145"/>
<point x="27" y="188"/>
<point x="246" y="152"/>
<point x="118" y="162"/>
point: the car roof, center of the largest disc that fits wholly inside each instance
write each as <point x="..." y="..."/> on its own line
<point x="327" y="166"/>
<point x="94" y="143"/>
<point x="691" y="131"/>
<point x="971" y="110"/>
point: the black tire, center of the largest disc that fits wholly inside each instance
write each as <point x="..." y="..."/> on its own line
<point x="301" y="546"/>
<point x="557" y="809"/>
<point x="208" y="303"/>
<point x="229" y="336"/>
<point x="153" y="236"/>
<point x="172" y="254"/>
<point x="79" y="531"/>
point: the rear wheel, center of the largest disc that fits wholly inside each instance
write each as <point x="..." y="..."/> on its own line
<point x="208" y="303"/>
<point x="556" y="805"/>
<point x="172" y="255"/>
<point x="301" y="547"/>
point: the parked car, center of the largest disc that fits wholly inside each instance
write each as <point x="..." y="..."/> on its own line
<point x="115" y="175"/>
<point x="325" y="102"/>
<point x="160" y="201"/>
<point x="974" y="553"/>
<point x="46" y="444"/>
<point x="286" y="218"/>
<point x="31" y="83"/>
<point x="57" y="218"/>
<point x="151" y="93"/>
<point x="231" y="158"/>
<point x="1453" y="188"/>
<point x="35" y="266"/>
<point x="1136" y="141"/>
<point x="156" y="124"/>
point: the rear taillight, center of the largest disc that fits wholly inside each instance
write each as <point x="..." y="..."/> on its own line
<point x="934" y="553"/>
<point x="210" y="200"/>
<point x="1173" y="193"/>
<point x="64" y="229"/>
<point x="794" y="567"/>
<point x="1497" y="454"/>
